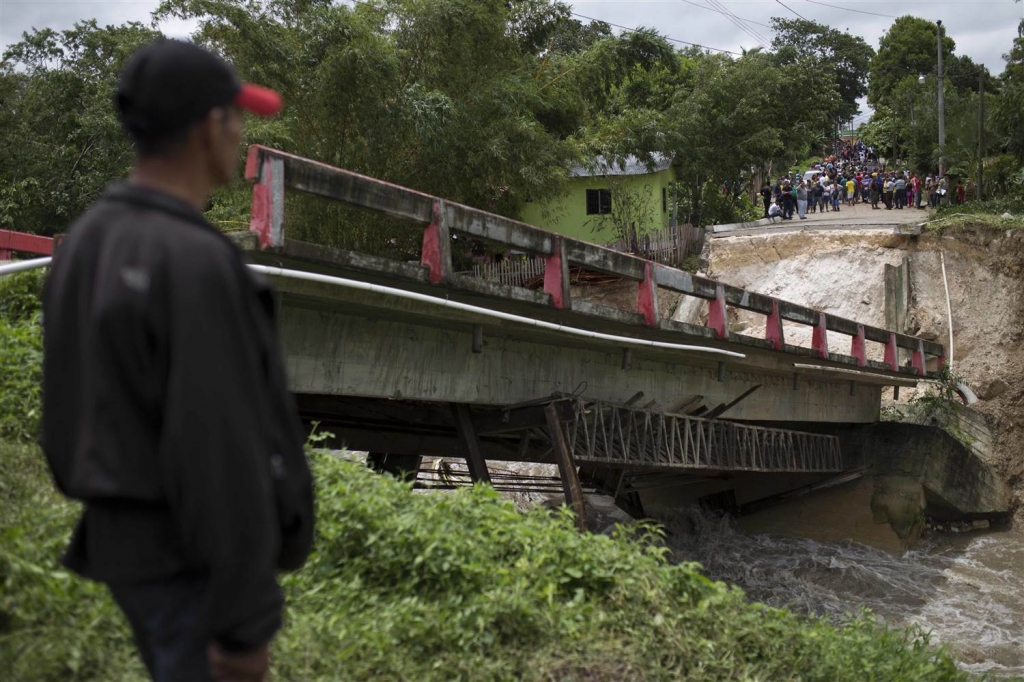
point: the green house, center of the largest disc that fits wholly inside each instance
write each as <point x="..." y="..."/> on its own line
<point x="607" y="199"/>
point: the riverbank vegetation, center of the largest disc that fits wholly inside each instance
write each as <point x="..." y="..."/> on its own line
<point x="21" y="353"/>
<point x="403" y="585"/>
<point x="447" y="586"/>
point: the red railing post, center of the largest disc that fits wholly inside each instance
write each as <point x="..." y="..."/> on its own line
<point x="717" y="313"/>
<point x="556" y="276"/>
<point x="891" y="354"/>
<point x="917" y="358"/>
<point x="773" y="328"/>
<point x="819" y="338"/>
<point x="437" y="245"/>
<point x="647" y="297"/>
<point x="267" y="216"/>
<point x="858" y="348"/>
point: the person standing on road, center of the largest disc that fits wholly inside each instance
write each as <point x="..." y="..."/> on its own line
<point x="900" y="190"/>
<point x="787" y="200"/>
<point x="766" y="197"/>
<point x="165" y="404"/>
<point x="801" y="200"/>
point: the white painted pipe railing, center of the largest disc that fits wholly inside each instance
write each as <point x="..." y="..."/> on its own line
<point x="486" y="312"/>
<point x="22" y="265"/>
<point x="433" y="300"/>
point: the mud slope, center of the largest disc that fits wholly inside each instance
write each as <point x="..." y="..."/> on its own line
<point x="842" y="273"/>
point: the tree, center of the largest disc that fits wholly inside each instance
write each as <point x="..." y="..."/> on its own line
<point x="846" y="56"/>
<point x="963" y="73"/>
<point x="1009" y="108"/>
<point x="61" y="138"/>
<point x="735" y="115"/>
<point x="908" y="48"/>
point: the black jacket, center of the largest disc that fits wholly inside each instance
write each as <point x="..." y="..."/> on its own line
<point x="166" y="411"/>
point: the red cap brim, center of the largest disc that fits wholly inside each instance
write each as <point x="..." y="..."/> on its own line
<point x="258" y="100"/>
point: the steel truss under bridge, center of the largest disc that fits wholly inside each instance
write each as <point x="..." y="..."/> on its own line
<point x="607" y="434"/>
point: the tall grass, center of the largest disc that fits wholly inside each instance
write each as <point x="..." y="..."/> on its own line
<point x="405" y="586"/>
<point x="21" y="354"/>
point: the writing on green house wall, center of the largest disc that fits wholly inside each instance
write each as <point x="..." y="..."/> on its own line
<point x="604" y="200"/>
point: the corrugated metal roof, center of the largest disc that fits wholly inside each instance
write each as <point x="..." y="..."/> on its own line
<point x="630" y="165"/>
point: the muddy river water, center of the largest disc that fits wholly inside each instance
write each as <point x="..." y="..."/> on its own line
<point x="966" y="589"/>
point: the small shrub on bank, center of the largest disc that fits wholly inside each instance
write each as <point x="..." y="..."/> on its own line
<point x="403" y="585"/>
<point x="21" y="355"/>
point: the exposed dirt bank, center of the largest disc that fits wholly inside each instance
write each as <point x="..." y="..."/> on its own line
<point x="843" y="273"/>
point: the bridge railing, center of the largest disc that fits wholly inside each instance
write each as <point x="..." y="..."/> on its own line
<point x="22" y="242"/>
<point x="273" y="171"/>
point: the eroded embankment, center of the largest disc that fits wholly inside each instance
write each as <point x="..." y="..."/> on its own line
<point x="843" y="273"/>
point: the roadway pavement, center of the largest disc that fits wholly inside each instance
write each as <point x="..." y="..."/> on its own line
<point x="857" y="217"/>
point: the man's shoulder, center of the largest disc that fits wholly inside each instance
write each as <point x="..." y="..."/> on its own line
<point x="180" y="240"/>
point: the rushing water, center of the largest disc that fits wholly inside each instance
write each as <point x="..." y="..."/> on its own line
<point x="966" y="589"/>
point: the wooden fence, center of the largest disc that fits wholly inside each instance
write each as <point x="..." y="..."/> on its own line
<point x="669" y="246"/>
<point x="514" y="272"/>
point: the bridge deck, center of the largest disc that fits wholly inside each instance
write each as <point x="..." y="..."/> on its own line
<point x="273" y="172"/>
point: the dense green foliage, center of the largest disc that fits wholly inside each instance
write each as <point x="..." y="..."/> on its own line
<point x="487" y="103"/>
<point x="61" y="139"/>
<point x="907" y="50"/>
<point x="21" y="354"/>
<point x="447" y="586"/>
<point x="904" y="127"/>
<point x="846" y="56"/>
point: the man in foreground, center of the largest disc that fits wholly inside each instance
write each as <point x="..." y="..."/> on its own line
<point x="165" y="404"/>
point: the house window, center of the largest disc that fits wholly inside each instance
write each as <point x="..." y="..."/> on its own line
<point x="599" y="201"/>
<point x="664" y="200"/>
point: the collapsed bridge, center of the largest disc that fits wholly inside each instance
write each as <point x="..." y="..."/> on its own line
<point x="411" y="359"/>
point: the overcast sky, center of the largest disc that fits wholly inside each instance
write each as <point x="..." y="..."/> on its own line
<point x="982" y="29"/>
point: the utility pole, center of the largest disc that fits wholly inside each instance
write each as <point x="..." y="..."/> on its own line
<point x="942" y="108"/>
<point x="981" y="127"/>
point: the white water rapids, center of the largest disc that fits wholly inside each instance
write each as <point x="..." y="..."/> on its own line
<point x="967" y="590"/>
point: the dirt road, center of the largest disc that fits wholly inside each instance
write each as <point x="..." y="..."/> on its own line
<point x="858" y="217"/>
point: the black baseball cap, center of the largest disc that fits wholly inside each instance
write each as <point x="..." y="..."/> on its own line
<point x="168" y="85"/>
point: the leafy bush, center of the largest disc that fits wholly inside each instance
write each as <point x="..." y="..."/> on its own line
<point x="21" y="341"/>
<point x="403" y="585"/>
<point x="938" y="405"/>
<point x="53" y="625"/>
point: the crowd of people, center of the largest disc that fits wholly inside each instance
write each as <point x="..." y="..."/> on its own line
<point x="851" y="176"/>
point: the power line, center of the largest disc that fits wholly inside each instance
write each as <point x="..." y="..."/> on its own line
<point x="711" y="9"/>
<point x="738" y="23"/>
<point x="674" y="40"/>
<point x="741" y="27"/>
<point x="793" y="11"/>
<point x="849" y="9"/>
<point x="753" y="33"/>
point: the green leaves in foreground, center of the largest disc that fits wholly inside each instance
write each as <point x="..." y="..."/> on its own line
<point x="21" y="355"/>
<point x="404" y="585"/>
